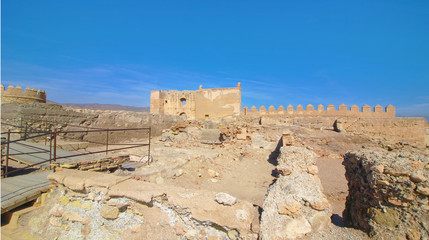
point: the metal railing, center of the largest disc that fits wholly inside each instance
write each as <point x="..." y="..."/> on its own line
<point x="52" y="136"/>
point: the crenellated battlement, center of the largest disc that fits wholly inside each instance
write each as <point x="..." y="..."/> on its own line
<point x="15" y="94"/>
<point x="342" y="110"/>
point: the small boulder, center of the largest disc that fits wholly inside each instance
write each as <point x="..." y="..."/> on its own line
<point x="417" y="177"/>
<point x="109" y="212"/>
<point x="225" y="199"/>
<point x="320" y="205"/>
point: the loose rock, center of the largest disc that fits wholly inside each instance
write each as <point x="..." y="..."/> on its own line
<point x="225" y="199"/>
<point x="109" y="212"/>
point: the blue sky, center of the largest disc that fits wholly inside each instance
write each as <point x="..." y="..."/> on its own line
<point x="283" y="52"/>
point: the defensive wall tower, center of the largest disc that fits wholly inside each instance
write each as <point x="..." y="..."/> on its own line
<point x="342" y="111"/>
<point x="16" y="95"/>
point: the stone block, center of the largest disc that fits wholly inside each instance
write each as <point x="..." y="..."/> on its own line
<point x="210" y="136"/>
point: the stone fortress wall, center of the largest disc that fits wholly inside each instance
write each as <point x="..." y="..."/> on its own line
<point x="343" y="111"/>
<point x="199" y="104"/>
<point x="377" y="121"/>
<point x="15" y="94"/>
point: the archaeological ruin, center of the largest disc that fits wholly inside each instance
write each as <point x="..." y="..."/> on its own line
<point x="212" y="104"/>
<point x="199" y="104"/>
<point x="199" y="166"/>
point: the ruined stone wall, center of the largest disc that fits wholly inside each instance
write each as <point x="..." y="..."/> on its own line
<point x="400" y="129"/>
<point x="388" y="194"/>
<point x="365" y="112"/>
<point x="199" y="104"/>
<point x="173" y="102"/>
<point x="216" y="103"/>
<point x="15" y="94"/>
<point x="295" y="204"/>
<point x="34" y="114"/>
<point x="126" y="119"/>
<point x="397" y="129"/>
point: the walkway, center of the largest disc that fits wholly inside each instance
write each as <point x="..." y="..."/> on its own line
<point x="18" y="190"/>
<point x="33" y="158"/>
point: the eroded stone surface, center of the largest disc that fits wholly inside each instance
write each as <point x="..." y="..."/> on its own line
<point x="387" y="193"/>
<point x="295" y="204"/>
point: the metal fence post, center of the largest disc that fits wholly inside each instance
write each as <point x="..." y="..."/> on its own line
<point x="51" y="138"/>
<point x="55" y="148"/>
<point x="25" y="133"/>
<point x="107" y="141"/>
<point x="148" y="148"/>
<point x="7" y="153"/>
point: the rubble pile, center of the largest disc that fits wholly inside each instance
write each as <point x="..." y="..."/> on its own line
<point x="295" y="204"/>
<point x="388" y="193"/>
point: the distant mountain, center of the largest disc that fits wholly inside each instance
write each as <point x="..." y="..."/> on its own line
<point x="97" y="106"/>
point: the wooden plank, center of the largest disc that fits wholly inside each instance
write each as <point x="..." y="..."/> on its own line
<point x="21" y="189"/>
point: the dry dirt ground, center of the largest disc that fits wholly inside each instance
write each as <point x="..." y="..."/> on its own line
<point x="245" y="169"/>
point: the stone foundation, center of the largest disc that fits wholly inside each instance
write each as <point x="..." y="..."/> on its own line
<point x="388" y="194"/>
<point x="295" y="204"/>
<point x="94" y="205"/>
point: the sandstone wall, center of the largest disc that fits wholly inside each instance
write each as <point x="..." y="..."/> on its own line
<point x="173" y="102"/>
<point x="388" y="194"/>
<point x="199" y="104"/>
<point x="295" y="204"/>
<point x="354" y="111"/>
<point x="15" y="94"/>
<point x="398" y="129"/>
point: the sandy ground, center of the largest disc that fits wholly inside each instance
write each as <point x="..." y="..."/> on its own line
<point x="331" y="173"/>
